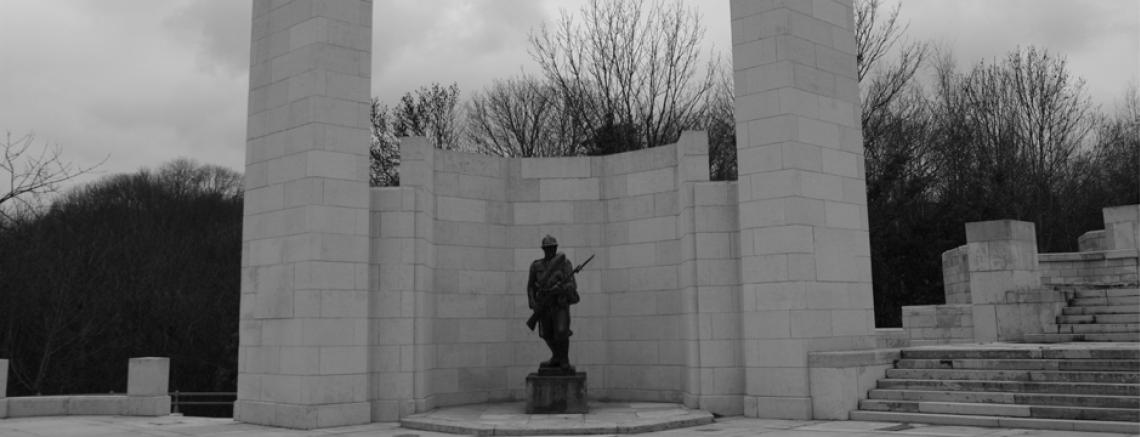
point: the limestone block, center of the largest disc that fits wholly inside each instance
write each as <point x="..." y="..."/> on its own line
<point x="470" y="164"/>
<point x="766" y="324"/>
<point x="1000" y="230"/>
<point x="568" y="189"/>
<point x="333" y="389"/>
<point x="3" y="379"/>
<point x="3" y="408"/>
<point x="31" y="406"/>
<point x="834" y="392"/>
<point x="653" y="181"/>
<point x="148" y="405"/>
<point x="458" y="209"/>
<point x="97" y="405"/>
<point x="342" y="360"/>
<point x="1122" y="227"/>
<point x="555" y="167"/>
<point x="526" y="213"/>
<point x="985" y="322"/>
<point x="824" y="187"/>
<point x="842" y="113"/>
<point x="787" y="382"/>
<point x="841" y="162"/>
<point x="1092" y="241"/>
<point x="148" y="376"/>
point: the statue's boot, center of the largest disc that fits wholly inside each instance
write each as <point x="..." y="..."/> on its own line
<point x="563" y="355"/>
<point x="553" y="361"/>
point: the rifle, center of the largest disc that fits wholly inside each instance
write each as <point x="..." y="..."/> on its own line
<point x="544" y="305"/>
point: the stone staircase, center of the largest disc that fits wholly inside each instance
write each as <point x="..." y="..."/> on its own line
<point x="1097" y="313"/>
<point x="1075" y="387"/>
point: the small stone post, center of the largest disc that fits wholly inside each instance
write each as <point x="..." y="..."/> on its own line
<point x="1122" y="227"/>
<point x="1002" y="256"/>
<point x="148" y="392"/>
<point x="3" y="389"/>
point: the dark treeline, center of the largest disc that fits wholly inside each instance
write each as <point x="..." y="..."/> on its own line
<point x="144" y="264"/>
<point x="1010" y="138"/>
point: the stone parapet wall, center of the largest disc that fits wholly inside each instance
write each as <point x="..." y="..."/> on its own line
<point x="659" y="316"/>
<point x="1105" y="266"/>
<point x="147" y="395"/>
<point x="938" y="324"/>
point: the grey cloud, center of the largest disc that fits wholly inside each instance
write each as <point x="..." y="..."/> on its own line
<point x="219" y="29"/>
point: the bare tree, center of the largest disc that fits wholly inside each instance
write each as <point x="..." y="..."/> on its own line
<point x="720" y="123"/>
<point x="31" y="172"/>
<point x="433" y="112"/>
<point x="520" y="116"/>
<point x="876" y="36"/>
<point x="1008" y="133"/>
<point x="630" y="72"/>
<point x="384" y="148"/>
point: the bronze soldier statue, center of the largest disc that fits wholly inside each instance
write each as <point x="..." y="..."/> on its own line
<point x="550" y="291"/>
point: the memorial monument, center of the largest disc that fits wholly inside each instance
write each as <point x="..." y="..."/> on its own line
<point x="366" y="304"/>
<point x="556" y="388"/>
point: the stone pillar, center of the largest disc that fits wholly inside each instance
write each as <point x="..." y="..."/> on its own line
<point x="402" y="294"/>
<point x="805" y="253"/>
<point x="1001" y="256"/>
<point x="3" y="389"/>
<point x="303" y="360"/>
<point x="714" y="377"/>
<point x="148" y="387"/>
<point x="1121" y="227"/>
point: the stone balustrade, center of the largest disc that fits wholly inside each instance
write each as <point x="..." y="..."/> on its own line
<point x="147" y="395"/>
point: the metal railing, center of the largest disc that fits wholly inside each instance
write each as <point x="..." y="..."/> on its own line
<point x="178" y="399"/>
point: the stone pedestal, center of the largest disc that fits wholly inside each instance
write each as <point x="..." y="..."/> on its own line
<point x="556" y="393"/>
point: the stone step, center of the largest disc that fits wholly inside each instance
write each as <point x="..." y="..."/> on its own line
<point x="1107" y="292"/>
<point x="1020" y="364"/>
<point x="1011" y="386"/>
<point x="1097" y="328"/>
<point x="1116" y="337"/>
<point x="1133" y="318"/>
<point x="1130" y="301"/>
<point x="1009" y="410"/>
<point x="1017" y="375"/>
<point x="1100" y="309"/>
<point x="1123" y="352"/>
<point x="997" y="421"/>
<point x="1054" y="399"/>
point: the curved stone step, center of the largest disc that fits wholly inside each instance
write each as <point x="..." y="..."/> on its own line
<point x="1017" y="375"/>
<point x="1122" y="352"/>
<point x="1099" y="318"/>
<point x="1009" y="410"/>
<point x="1115" y="337"/>
<point x="1021" y="364"/>
<point x="1106" y="292"/>
<point x="1011" y="386"/>
<point x="996" y="421"/>
<point x="1110" y="300"/>
<point x="1100" y="309"/>
<point x="1054" y="399"/>
<point x="1098" y="328"/>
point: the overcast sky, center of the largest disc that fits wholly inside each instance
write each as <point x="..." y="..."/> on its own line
<point x="141" y="82"/>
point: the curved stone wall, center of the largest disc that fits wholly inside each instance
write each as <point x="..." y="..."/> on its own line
<point x="451" y="249"/>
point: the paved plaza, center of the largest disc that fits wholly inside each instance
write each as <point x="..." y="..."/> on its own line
<point x="174" y="426"/>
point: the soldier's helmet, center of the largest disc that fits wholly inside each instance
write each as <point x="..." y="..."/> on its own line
<point x="549" y="241"/>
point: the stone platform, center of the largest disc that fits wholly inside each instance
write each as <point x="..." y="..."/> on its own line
<point x="604" y="418"/>
<point x="556" y="393"/>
